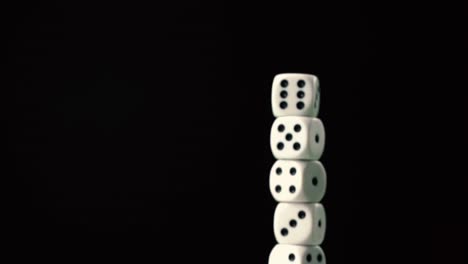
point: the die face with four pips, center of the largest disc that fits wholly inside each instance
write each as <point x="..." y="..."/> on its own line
<point x="298" y="181"/>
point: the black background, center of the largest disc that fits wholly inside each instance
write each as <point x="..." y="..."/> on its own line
<point x="143" y="129"/>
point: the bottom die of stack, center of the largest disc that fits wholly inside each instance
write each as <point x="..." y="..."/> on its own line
<point x="287" y="254"/>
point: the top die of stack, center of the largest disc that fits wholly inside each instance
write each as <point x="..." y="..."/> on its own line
<point x="295" y="94"/>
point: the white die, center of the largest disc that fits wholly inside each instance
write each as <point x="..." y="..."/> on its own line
<point x="298" y="181"/>
<point x="287" y="254"/>
<point x="295" y="94"/>
<point x="296" y="137"/>
<point x="299" y="223"/>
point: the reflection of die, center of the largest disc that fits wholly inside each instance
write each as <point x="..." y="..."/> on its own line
<point x="298" y="181"/>
<point x="295" y="137"/>
<point x="295" y="94"/>
<point x="299" y="223"/>
<point x="286" y="254"/>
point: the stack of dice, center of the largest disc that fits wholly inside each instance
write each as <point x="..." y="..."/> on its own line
<point x="297" y="178"/>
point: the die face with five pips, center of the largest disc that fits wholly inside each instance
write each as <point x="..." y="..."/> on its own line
<point x="297" y="138"/>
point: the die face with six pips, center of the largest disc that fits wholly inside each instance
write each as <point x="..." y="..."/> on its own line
<point x="295" y="94"/>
